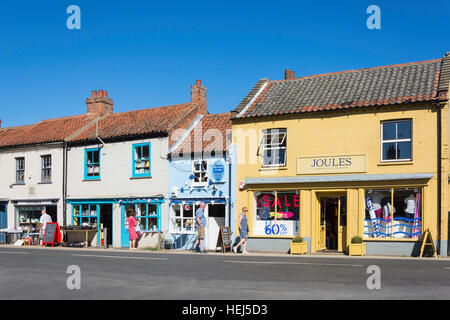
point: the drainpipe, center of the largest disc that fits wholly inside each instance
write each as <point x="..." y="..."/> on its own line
<point x="439" y="168"/>
<point x="64" y="183"/>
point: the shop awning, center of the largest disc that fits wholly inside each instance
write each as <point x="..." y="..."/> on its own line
<point x="339" y="178"/>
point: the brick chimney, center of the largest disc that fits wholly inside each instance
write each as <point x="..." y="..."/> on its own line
<point x="198" y="95"/>
<point x="289" y="74"/>
<point x="99" y="103"/>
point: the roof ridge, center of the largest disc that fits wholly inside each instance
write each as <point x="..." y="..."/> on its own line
<point x="154" y="108"/>
<point x="361" y="69"/>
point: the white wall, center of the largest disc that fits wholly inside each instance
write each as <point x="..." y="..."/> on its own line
<point x="116" y="178"/>
<point x="33" y="189"/>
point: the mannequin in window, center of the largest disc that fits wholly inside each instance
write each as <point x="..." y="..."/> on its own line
<point x="388" y="210"/>
<point x="376" y="201"/>
<point x="410" y="206"/>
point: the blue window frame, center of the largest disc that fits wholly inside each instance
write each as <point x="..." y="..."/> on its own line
<point x="92" y="164"/>
<point x="87" y="214"/>
<point x="142" y="160"/>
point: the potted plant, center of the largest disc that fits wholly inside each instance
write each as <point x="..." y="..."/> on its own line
<point x="298" y="246"/>
<point x="357" y="247"/>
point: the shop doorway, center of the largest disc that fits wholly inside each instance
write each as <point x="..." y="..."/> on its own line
<point x="3" y="221"/>
<point x="106" y="211"/>
<point x="215" y="219"/>
<point x="333" y="223"/>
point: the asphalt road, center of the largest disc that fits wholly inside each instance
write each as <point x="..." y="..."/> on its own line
<point x="41" y="274"/>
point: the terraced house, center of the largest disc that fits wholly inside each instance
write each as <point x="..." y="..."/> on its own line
<point x="90" y="169"/>
<point x="353" y="153"/>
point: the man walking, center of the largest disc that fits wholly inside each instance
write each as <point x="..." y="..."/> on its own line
<point x="200" y="224"/>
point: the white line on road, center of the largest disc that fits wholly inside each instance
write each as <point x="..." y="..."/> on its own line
<point x="117" y="257"/>
<point x="303" y="263"/>
<point x="14" y="252"/>
<point x="448" y="268"/>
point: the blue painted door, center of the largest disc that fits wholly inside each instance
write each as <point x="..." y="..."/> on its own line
<point x="3" y="221"/>
<point x="125" y="236"/>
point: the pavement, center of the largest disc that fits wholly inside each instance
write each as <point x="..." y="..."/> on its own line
<point x="44" y="273"/>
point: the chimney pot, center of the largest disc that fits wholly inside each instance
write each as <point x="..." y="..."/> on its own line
<point x="198" y="82"/>
<point x="198" y="96"/>
<point x="99" y="103"/>
<point x="289" y="74"/>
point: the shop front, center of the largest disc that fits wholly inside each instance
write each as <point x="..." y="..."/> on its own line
<point x="182" y="221"/>
<point x="28" y="213"/>
<point x="148" y="214"/>
<point x="388" y="211"/>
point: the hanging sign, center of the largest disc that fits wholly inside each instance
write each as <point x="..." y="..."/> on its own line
<point x="218" y="171"/>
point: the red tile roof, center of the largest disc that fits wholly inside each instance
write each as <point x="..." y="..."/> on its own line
<point x="137" y="122"/>
<point x="47" y="131"/>
<point x="211" y="133"/>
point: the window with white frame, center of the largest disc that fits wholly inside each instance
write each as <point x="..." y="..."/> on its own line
<point x="20" y="170"/>
<point x="46" y="164"/>
<point x="200" y="172"/>
<point x="273" y="148"/>
<point x="396" y="140"/>
<point x="182" y="218"/>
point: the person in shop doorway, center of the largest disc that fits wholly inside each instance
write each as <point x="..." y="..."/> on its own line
<point x="45" y="218"/>
<point x="243" y="231"/>
<point x="200" y="224"/>
<point x="132" y="229"/>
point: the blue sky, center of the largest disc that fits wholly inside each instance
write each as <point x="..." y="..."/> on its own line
<point x="148" y="53"/>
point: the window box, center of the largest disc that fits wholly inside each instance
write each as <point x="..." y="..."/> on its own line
<point x="299" y="247"/>
<point x="357" y="249"/>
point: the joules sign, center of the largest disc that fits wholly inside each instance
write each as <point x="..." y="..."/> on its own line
<point x="331" y="164"/>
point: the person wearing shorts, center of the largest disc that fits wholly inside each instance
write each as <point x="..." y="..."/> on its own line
<point x="200" y="224"/>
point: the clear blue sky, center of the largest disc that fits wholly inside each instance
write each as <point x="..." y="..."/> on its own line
<point x="148" y="53"/>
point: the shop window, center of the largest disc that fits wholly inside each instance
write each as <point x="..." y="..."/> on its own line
<point x="147" y="215"/>
<point x="92" y="164"/>
<point x="85" y="215"/>
<point x="396" y="140"/>
<point x="46" y="164"/>
<point x="393" y="213"/>
<point x="29" y="218"/>
<point x="200" y="172"/>
<point x="141" y="160"/>
<point x="182" y="219"/>
<point x="276" y="213"/>
<point x="273" y="148"/>
<point x="20" y="170"/>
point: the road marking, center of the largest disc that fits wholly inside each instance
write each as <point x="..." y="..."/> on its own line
<point x="14" y="252"/>
<point x="117" y="257"/>
<point x="448" y="268"/>
<point x="293" y="263"/>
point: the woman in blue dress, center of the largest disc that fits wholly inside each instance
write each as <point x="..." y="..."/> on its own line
<point x="243" y="231"/>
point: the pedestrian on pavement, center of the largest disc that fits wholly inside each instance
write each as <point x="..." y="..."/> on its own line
<point x="243" y="231"/>
<point x="200" y="224"/>
<point x="131" y="228"/>
<point x="45" y="218"/>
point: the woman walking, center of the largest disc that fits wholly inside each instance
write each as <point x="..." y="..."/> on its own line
<point x="243" y="231"/>
<point x="131" y="229"/>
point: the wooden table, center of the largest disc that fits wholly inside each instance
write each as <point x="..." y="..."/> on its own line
<point x="83" y="230"/>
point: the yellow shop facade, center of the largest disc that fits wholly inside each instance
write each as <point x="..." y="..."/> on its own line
<point x="356" y="153"/>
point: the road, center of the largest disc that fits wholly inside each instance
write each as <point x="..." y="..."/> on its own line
<point x="115" y="274"/>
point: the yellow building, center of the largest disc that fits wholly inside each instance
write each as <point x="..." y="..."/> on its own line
<point x="355" y="153"/>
